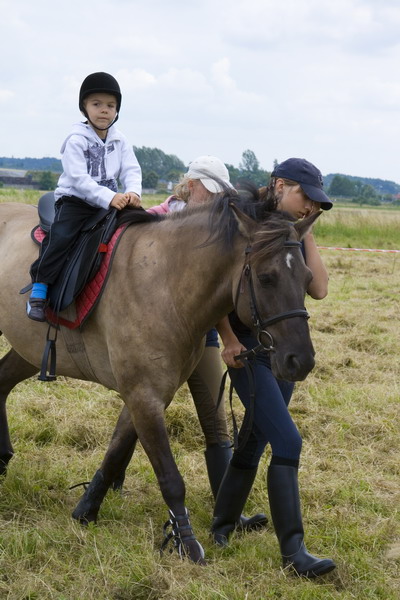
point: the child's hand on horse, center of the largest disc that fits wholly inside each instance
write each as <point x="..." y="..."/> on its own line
<point x="121" y="200"/>
<point x="134" y="199"/>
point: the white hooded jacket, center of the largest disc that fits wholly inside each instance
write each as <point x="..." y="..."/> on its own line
<point x="92" y="168"/>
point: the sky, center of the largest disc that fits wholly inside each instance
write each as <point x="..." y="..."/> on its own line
<point x="316" y="79"/>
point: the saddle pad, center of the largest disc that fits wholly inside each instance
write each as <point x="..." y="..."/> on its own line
<point x="91" y="293"/>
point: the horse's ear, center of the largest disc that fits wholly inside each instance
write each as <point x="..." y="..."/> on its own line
<point x="304" y="226"/>
<point x="247" y="226"/>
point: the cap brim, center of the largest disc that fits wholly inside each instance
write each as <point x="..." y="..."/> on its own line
<point x="317" y="195"/>
<point x="214" y="186"/>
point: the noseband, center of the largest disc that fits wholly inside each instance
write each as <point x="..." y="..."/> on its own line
<point x="260" y="325"/>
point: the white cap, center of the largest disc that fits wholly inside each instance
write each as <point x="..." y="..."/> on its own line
<point x="212" y="173"/>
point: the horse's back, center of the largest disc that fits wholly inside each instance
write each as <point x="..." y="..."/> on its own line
<point x="17" y="211"/>
<point x="16" y="222"/>
<point x="16" y="246"/>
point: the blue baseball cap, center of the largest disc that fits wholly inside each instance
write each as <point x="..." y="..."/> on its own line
<point x="307" y="176"/>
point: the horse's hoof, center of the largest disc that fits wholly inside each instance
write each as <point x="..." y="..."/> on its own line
<point x="84" y="517"/>
<point x="4" y="460"/>
<point x="118" y="483"/>
<point x="182" y="538"/>
<point x="195" y="552"/>
<point x="89" y="505"/>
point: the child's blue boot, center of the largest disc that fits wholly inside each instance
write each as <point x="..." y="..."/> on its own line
<point x="35" y="307"/>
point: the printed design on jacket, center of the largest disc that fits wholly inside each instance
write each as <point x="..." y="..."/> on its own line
<point x="96" y="166"/>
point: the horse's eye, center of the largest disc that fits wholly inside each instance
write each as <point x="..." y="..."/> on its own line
<point x="267" y="279"/>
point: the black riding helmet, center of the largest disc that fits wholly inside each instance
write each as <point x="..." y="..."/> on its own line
<point x="100" y="82"/>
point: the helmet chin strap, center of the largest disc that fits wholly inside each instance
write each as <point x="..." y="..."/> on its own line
<point x="101" y="128"/>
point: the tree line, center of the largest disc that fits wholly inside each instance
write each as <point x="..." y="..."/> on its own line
<point x="361" y="192"/>
<point x="159" y="168"/>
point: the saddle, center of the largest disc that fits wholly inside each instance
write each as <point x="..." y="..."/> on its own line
<point x="86" y="271"/>
<point x="85" y="257"/>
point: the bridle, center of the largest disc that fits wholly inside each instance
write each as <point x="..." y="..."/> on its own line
<point x="259" y="325"/>
<point x="261" y="330"/>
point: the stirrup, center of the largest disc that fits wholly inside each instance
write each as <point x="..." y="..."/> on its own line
<point x="181" y="531"/>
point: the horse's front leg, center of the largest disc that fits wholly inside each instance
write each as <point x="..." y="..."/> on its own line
<point x="13" y="370"/>
<point x="111" y="471"/>
<point x="151" y="428"/>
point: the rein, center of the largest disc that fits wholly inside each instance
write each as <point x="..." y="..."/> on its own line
<point x="260" y="327"/>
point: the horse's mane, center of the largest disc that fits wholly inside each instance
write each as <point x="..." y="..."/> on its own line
<point x="222" y="224"/>
<point x="275" y="228"/>
<point x="131" y="215"/>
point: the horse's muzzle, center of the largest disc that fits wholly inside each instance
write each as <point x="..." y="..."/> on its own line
<point x="292" y="366"/>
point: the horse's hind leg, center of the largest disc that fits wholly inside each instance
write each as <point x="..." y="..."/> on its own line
<point x="111" y="471"/>
<point x="121" y="449"/>
<point x="119" y="479"/>
<point x="13" y="370"/>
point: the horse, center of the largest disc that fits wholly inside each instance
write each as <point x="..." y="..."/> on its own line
<point x="172" y="279"/>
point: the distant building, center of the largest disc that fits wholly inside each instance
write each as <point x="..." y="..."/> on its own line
<point x="17" y="178"/>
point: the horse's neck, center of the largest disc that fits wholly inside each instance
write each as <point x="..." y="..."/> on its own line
<point x="199" y="276"/>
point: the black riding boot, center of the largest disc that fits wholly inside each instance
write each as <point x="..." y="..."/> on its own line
<point x="217" y="461"/>
<point x="284" y="501"/>
<point x="232" y="495"/>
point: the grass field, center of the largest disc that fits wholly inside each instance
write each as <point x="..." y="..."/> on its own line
<point x="347" y="411"/>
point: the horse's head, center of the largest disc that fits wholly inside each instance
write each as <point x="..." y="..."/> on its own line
<point x="269" y="291"/>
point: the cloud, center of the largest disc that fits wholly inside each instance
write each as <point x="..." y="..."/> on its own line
<point x="136" y="80"/>
<point x="312" y="78"/>
<point x="6" y="95"/>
